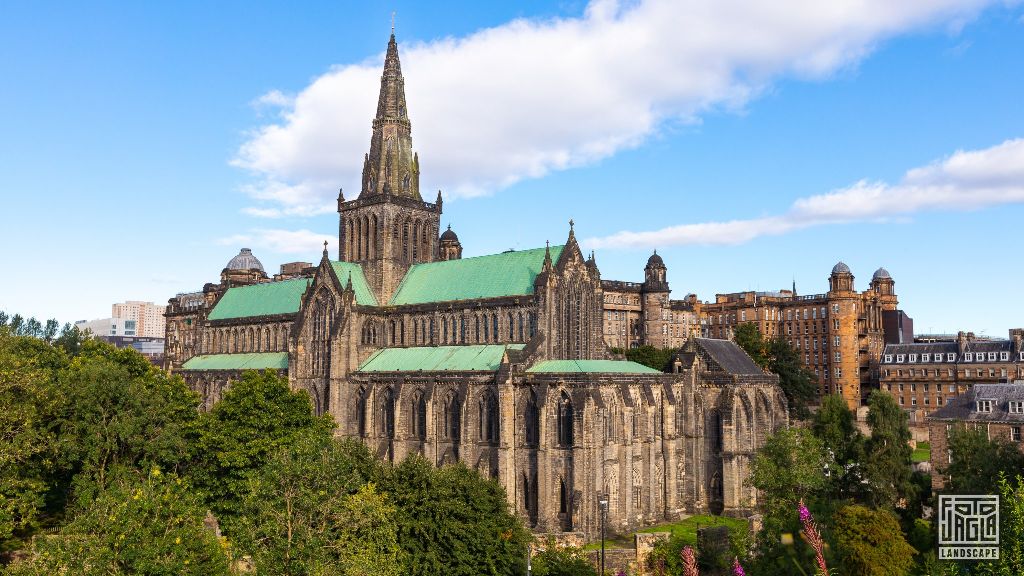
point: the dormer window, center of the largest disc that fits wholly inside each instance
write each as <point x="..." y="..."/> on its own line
<point x="900" y="357"/>
<point x="991" y="356"/>
<point x="925" y="357"/>
<point x="913" y="357"/>
<point x="951" y="357"/>
<point x="1004" y="356"/>
<point x="968" y="357"/>
<point x="985" y="406"/>
<point x="888" y="358"/>
<point x="1016" y="407"/>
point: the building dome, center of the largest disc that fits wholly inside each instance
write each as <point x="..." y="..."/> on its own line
<point x="881" y="274"/>
<point x="655" y="260"/>
<point x="244" y="261"/>
<point x="841" y="268"/>
<point x="449" y="235"/>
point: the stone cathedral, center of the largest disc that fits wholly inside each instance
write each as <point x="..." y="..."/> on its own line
<point x="497" y="361"/>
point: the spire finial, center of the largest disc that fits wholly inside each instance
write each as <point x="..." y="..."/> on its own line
<point x="571" y="224"/>
<point x="655" y="251"/>
<point x="392" y="23"/>
<point x="348" y="285"/>
<point x="449" y="226"/>
<point x="325" y="248"/>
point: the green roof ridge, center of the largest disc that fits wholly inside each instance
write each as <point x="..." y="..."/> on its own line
<point x="592" y="366"/>
<point x="264" y="299"/>
<point x="489" y="276"/>
<point x="364" y="296"/>
<point x="244" y="361"/>
<point x="473" y="357"/>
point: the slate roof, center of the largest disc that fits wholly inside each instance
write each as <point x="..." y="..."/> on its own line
<point x="922" y="348"/>
<point x="250" y="361"/>
<point x="364" y="296"/>
<point x="264" y="299"/>
<point x="483" y="357"/>
<point x="965" y="406"/>
<point x="493" y="276"/>
<point x="592" y="366"/>
<point x="729" y="356"/>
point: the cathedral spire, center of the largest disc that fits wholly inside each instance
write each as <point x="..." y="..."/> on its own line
<point x="391" y="167"/>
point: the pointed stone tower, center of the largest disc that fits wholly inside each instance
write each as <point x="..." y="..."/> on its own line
<point x="389" y="227"/>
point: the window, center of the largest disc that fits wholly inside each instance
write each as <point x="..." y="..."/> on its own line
<point x="1002" y="372"/>
<point x="968" y="357"/>
<point x="900" y="358"/>
<point x="835" y="323"/>
<point x="888" y="358"/>
<point x="913" y="358"/>
<point x="985" y="405"/>
<point x="991" y="356"/>
<point x="926" y="357"/>
<point x="913" y="401"/>
<point x="1004" y="356"/>
<point x="835" y="308"/>
<point x="991" y="372"/>
<point x="1016" y="407"/>
<point x="565" y="421"/>
<point x="1015" y="434"/>
<point x="950" y="357"/>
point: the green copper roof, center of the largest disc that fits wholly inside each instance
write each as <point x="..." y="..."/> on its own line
<point x="260" y="299"/>
<point x="602" y="366"/>
<point x="485" y="357"/>
<point x="364" y="296"/>
<point x="252" y="361"/>
<point x="505" y="274"/>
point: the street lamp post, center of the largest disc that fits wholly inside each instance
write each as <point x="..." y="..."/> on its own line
<point x="604" y="514"/>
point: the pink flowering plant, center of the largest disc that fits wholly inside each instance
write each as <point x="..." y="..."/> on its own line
<point x="689" y="561"/>
<point x="813" y="537"/>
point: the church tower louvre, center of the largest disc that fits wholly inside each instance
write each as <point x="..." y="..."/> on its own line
<point x="389" y="227"/>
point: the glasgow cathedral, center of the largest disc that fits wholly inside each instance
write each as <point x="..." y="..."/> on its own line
<point x="501" y="362"/>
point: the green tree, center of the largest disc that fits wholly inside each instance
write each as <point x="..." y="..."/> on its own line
<point x="657" y="358"/>
<point x="749" y="338"/>
<point x="120" y="411"/>
<point x="28" y="402"/>
<point x="887" y="462"/>
<point x="835" y="425"/>
<point x="50" y="330"/>
<point x="451" y="521"/>
<point x="564" y="561"/>
<point x="977" y="461"/>
<point x="870" y="542"/>
<point x="70" y="339"/>
<point x="309" y="510"/>
<point x="142" y="524"/>
<point x="258" y="415"/>
<point x="796" y="380"/>
<point x="790" y="467"/>
<point x="17" y="325"/>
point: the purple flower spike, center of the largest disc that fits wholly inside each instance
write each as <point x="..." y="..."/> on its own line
<point x="689" y="562"/>
<point x="737" y="570"/>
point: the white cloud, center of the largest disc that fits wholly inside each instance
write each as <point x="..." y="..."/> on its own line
<point x="528" y="97"/>
<point x="964" y="181"/>
<point x="304" y="242"/>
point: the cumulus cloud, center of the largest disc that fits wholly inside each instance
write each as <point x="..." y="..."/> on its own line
<point x="529" y="97"/>
<point x="968" y="180"/>
<point x="304" y="242"/>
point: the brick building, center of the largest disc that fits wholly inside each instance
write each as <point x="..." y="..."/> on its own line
<point x="996" y="408"/>
<point x="925" y="376"/>
<point x="839" y="333"/>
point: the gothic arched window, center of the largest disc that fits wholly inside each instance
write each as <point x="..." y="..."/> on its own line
<point x="532" y="420"/>
<point x="565" y="421"/>
<point x="494" y="326"/>
<point x="521" y="339"/>
<point x="451" y="418"/>
<point x="418" y="413"/>
<point x="361" y="412"/>
<point x="489" y="418"/>
<point x="511" y="327"/>
<point x="387" y="414"/>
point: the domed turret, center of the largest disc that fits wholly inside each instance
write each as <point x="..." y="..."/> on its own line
<point x="654" y="274"/>
<point x="449" y="247"/>
<point x="245" y="261"/>
<point x="841" y="279"/>
<point x="242" y="270"/>
<point x="841" y="268"/>
<point x="881" y="274"/>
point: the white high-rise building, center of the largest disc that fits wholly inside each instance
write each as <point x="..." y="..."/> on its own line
<point x="148" y="317"/>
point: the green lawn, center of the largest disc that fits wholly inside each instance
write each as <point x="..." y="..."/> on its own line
<point x="686" y="528"/>
<point x="922" y="453"/>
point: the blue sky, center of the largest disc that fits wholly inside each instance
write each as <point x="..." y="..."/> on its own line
<point x="141" y="145"/>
